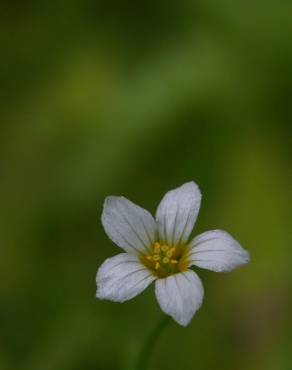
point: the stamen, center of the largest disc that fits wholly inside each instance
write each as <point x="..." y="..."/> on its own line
<point x="156" y="247"/>
<point x="165" y="260"/>
<point x="170" y="252"/>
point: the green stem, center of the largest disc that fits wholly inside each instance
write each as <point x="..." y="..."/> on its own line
<point x="149" y="345"/>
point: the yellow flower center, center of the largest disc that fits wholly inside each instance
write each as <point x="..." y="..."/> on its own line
<point x="165" y="260"/>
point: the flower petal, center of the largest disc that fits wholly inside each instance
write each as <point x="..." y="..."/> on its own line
<point x="121" y="278"/>
<point x="180" y="295"/>
<point x="217" y="251"/>
<point x="128" y="225"/>
<point x="177" y="213"/>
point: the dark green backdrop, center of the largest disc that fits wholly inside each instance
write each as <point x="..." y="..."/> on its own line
<point x="134" y="98"/>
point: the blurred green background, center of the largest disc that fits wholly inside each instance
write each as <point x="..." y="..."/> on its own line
<point x="135" y="98"/>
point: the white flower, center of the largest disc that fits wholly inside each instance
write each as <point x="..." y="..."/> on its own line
<point x="158" y="250"/>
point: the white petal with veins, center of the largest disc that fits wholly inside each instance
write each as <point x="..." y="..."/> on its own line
<point x="121" y="278"/>
<point x="177" y="213"/>
<point x="217" y="251"/>
<point x="128" y="225"/>
<point x="180" y="295"/>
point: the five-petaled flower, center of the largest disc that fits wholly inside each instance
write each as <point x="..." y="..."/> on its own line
<point x="159" y="251"/>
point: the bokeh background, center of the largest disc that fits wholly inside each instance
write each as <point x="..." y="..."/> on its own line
<point x="134" y="98"/>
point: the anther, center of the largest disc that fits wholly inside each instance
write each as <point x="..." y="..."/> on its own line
<point x="157" y="265"/>
<point x="164" y="248"/>
<point x="156" y="257"/>
<point x="170" y="252"/>
<point x="165" y="260"/>
<point x="150" y="258"/>
<point x="174" y="261"/>
<point x="156" y="247"/>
